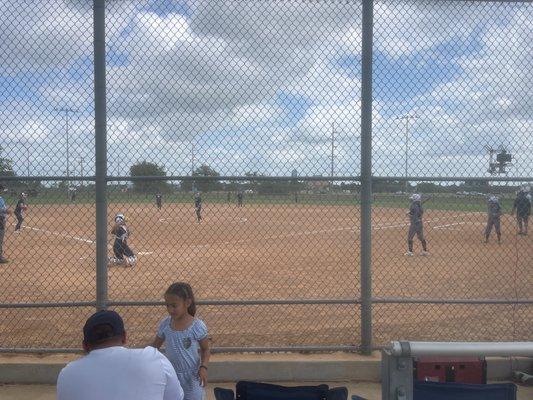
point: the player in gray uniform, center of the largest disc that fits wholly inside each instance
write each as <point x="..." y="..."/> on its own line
<point x="198" y="206"/>
<point x="416" y="226"/>
<point x="493" y="218"/>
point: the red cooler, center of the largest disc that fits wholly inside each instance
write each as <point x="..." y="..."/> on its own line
<point x="451" y="369"/>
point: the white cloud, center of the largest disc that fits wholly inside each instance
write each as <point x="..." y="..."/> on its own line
<point x="220" y="72"/>
<point x="404" y="27"/>
<point x="41" y="35"/>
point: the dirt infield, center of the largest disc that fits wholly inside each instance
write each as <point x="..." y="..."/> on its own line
<point x="269" y="252"/>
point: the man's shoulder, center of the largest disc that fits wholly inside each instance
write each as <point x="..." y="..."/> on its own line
<point x="115" y="353"/>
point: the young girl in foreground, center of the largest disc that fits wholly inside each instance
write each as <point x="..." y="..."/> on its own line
<point x="186" y="341"/>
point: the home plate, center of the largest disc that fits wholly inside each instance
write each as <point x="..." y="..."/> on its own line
<point x="244" y="219"/>
<point x="145" y="253"/>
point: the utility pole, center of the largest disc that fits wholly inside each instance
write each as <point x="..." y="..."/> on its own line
<point x="193" y="184"/>
<point x="27" y="148"/>
<point x="81" y="170"/>
<point x="332" y="154"/>
<point x="407" y="118"/>
<point x="332" y="150"/>
<point x="67" y="111"/>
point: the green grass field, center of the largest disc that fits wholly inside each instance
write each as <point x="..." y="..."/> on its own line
<point x="449" y="202"/>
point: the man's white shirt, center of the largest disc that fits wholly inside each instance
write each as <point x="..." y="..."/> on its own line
<point x="119" y="373"/>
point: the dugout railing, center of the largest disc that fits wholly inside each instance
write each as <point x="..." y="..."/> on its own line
<point x="397" y="360"/>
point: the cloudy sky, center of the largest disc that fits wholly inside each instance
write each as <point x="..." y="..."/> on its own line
<point x="259" y="86"/>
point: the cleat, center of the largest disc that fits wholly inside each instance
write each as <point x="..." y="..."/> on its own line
<point x="425" y="253"/>
<point x="409" y="254"/>
<point x="4" y="260"/>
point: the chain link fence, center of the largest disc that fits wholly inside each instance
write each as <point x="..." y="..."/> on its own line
<point x="257" y="107"/>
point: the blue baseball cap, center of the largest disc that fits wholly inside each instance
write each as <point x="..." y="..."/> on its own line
<point x="102" y="325"/>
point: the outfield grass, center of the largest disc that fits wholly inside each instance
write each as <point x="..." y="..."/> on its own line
<point x="449" y="202"/>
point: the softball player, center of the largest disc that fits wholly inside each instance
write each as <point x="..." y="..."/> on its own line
<point x="198" y="206"/>
<point x="522" y="205"/>
<point x="416" y="226"/>
<point x="4" y="211"/>
<point x="159" y="201"/>
<point x="493" y="218"/>
<point x="19" y="211"/>
<point x="123" y="254"/>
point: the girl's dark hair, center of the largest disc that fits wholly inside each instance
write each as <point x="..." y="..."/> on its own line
<point x="184" y="291"/>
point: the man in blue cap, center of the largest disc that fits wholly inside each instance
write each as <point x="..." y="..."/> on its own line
<point x="110" y="371"/>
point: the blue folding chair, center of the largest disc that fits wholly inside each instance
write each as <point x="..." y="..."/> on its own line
<point x="463" y="391"/>
<point x="246" y="390"/>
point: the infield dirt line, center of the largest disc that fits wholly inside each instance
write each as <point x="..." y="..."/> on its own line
<point x="274" y="237"/>
<point x="303" y="233"/>
<point x="80" y="239"/>
<point x="448" y="225"/>
<point x="64" y="235"/>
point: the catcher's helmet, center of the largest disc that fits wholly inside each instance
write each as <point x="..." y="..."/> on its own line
<point x="415" y="197"/>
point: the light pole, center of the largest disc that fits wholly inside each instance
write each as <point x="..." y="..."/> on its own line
<point x="27" y="148"/>
<point x="67" y="111"/>
<point x="81" y="170"/>
<point x="332" y="154"/>
<point x="407" y="118"/>
<point x="193" y="159"/>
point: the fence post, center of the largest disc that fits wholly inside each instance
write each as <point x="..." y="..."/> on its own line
<point x="101" y="153"/>
<point x="396" y="376"/>
<point x="366" y="177"/>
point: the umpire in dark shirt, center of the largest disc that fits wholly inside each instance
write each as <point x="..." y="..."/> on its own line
<point x="522" y="206"/>
<point x="19" y="211"/>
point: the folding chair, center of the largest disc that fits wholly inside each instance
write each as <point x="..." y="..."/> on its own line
<point x="246" y="390"/>
<point x="463" y="391"/>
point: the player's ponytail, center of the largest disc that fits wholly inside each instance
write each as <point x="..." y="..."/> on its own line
<point x="184" y="291"/>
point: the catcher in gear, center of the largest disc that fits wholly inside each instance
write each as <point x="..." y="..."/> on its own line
<point x="123" y="254"/>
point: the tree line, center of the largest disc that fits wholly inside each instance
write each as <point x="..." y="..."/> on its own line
<point x="290" y="185"/>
